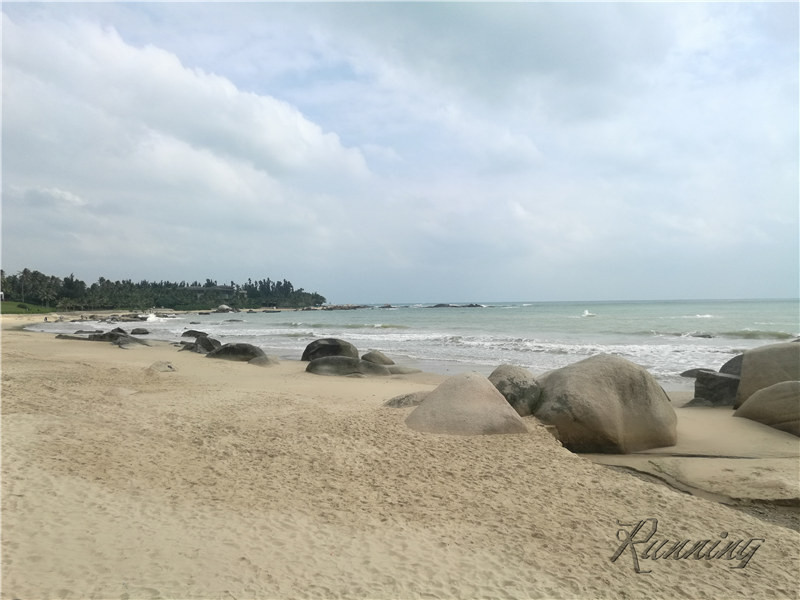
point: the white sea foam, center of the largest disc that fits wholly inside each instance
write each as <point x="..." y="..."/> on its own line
<point x="538" y="336"/>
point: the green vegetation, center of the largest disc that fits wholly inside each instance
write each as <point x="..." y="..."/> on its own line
<point x="18" y="308"/>
<point x="32" y="288"/>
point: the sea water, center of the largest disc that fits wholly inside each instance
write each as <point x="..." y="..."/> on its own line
<point x="666" y="337"/>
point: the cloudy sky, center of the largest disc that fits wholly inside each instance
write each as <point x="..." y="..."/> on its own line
<point x="407" y="152"/>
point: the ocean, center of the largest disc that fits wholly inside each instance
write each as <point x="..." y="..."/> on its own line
<point x="666" y="337"/>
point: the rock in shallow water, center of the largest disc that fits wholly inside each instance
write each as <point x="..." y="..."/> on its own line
<point x="345" y="365"/>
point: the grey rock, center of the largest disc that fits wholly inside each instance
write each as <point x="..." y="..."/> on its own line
<point x="692" y="373"/>
<point x="777" y="406"/>
<point x="193" y="333"/>
<point x="329" y="347"/>
<point x="116" y="336"/>
<point x="466" y="404"/>
<point x="405" y="400"/>
<point x="206" y="344"/>
<point x="239" y="351"/>
<point x="518" y="386"/>
<point x="345" y="365"/>
<point x="377" y="357"/>
<point x="714" y="389"/>
<point x="766" y="366"/>
<point x="607" y="404"/>
<point x="733" y="366"/>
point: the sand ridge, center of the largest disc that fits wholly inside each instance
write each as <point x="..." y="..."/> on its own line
<point x="225" y="480"/>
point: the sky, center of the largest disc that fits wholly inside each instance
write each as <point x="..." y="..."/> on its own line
<point x="407" y="152"/>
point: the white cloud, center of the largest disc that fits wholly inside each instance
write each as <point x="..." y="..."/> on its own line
<point x="399" y="151"/>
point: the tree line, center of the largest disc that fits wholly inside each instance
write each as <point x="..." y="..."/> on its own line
<point x="70" y="293"/>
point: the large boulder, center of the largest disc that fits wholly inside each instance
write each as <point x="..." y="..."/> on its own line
<point x="777" y="406"/>
<point x="345" y="365"/>
<point x="240" y="351"/>
<point x="518" y="387"/>
<point x="329" y="347"/>
<point x="768" y="365"/>
<point x="607" y="404"/>
<point x="466" y="404"/>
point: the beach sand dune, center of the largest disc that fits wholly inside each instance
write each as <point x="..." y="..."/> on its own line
<point x="226" y="480"/>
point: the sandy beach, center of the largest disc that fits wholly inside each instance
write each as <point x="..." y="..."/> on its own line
<point x="223" y="480"/>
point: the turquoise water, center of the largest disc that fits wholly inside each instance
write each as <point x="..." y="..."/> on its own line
<point x="664" y="337"/>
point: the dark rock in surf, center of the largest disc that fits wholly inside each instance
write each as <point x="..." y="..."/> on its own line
<point x="193" y="333"/>
<point x="377" y="357"/>
<point x="329" y="347"/>
<point x="240" y="352"/>
<point x="344" y="366"/>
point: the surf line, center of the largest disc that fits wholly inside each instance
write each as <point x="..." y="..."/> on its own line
<point x="640" y="536"/>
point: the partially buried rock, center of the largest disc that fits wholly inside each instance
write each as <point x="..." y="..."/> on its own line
<point x="607" y="404"/>
<point x="344" y="366"/>
<point x="518" y="387"/>
<point x="329" y="347"/>
<point x="240" y="351"/>
<point x="162" y="366"/>
<point x="139" y="331"/>
<point x="405" y="400"/>
<point x="777" y="406"/>
<point x="466" y="404"/>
